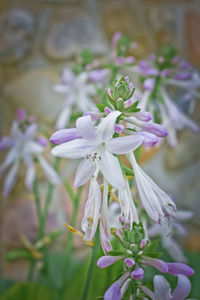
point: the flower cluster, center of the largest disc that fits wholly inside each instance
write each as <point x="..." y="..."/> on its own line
<point x="136" y="252"/>
<point x="157" y="75"/>
<point x="100" y="146"/>
<point x="25" y="146"/>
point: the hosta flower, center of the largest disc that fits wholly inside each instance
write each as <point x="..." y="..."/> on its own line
<point x="155" y="201"/>
<point x="162" y="289"/>
<point x="24" y="147"/>
<point x="96" y="146"/>
<point x="78" y="94"/>
<point x="169" y="230"/>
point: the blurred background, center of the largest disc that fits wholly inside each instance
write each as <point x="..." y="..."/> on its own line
<point x="38" y="38"/>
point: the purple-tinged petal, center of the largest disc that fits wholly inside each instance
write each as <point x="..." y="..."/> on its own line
<point x="138" y="273"/>
<point x="149" y="140"/>
<point x="107" y="110"/>
<point x="21" y="114"/>
<point x="156" y="129"/>
<point x="30" y="176"/>
<point x="115" y="38"/>
<point x="74" y="149"/>
<point x="113" y="292"/>
<point x="182" y="289"/>
<point x="183" y="76"/>
<point x="149" y="84"/>
<point x="86" y="128"/>
<point x="30" y="131"/>
<point x="162" y="288"/>
<point x="160" y="59"/>
<point x="120" y="60"/>
<point x="128" y="103"/>
<point x="180" y="268"/>
<point x="64" y="135"/>
<point x="97" y="75"/>
<point x="111" y="170"/>
<point x="119" y="128"/>
<point x="165" y="73"/>
<point x="93" y="114"/>
<point x="106" y="128"/>
<point x="106" y="261"/>
<point x="5" y="142"/>
<point x="42" y="141"/>
<point x="10" y="179"/>
<point x="10" y="158"/>
<point x="129" y="262"/>
<point x="129" y="60"/>
<point x="143" y="116"/>
<point x="143" y="243"/>
<point x="84" y="172"/>
<point x="124" y="144"/>
<point x="156" y="263"/>
<point x="147" y="291"/>
<point x="174" y="249"/>
<point x="49" y="171"/>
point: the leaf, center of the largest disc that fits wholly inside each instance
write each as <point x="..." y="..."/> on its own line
<point x="153" y="246"/>
<point x="28" y="291"/>
<point x="100" y="106"/>
<point x="153" y="254"/>
<point x="115" y="253"/>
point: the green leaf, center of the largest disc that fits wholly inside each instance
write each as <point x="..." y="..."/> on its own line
<point x="28" y="291"/>
<point x="100" y="106"/>
<point x="153" y="246"/>
<point x="153" y="254"/>
<point x="115" y="253"/>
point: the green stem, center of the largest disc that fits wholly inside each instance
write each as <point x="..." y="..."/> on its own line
<point x="31" y="271"/>
<point x="49" y="198"/>
<point x="93" y="260"/>
<point x="69" y="245"/>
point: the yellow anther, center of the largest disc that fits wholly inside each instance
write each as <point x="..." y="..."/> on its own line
<point x="74" y="230"/>
<point x="89" y="243"/>
<point x="114" y="197"/>
<point x="27" y="244"/>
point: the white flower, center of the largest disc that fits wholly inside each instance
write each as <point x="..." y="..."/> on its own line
<point x="97" y="146"/>
<point x="78" y="93"/>
<point x="155" y="201"/>
<point x="23" y="147"/>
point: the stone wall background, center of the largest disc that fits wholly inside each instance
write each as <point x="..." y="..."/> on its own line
<point x="40" y="37"/>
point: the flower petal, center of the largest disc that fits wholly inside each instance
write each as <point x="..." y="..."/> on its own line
<point x="84" y="172"/>
<point x="111" y="170"/>
<point x="180" y="268"/>
<point x="86" y="128"/>
<point x="10" y="179"/>
<point x="125" y="144"/>
<point x="74" y="149"/>
<point x="107" y="260"/>
<point x="49" y="171"/>
<point x="182" y="289"/>
<point x="64" y="135"/>
<point x="113" y="292"/>
<point x="106" y="128"/>
<point x="10" y="158"/>
<point x="63" y="118"/>
<point x="162" y="288"/>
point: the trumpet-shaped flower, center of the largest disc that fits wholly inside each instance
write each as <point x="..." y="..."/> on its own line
<point x="155" y="201"/>
<point x="163" y="291"/>
<point x="24" y="147"/>
<point x="96" y="146"/>
<point x="78" y="93"/>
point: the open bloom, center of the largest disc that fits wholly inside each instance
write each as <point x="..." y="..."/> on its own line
<point x="155" y="201"/>
<point x="78" y="94"/>
<point x="24" y="147"/>
<point x="96" y="146"/>
<point x="162" y="289"/>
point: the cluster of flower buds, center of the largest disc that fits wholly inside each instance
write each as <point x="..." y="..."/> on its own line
<point x="25" y="146"/>
<point x="136" y="252"/>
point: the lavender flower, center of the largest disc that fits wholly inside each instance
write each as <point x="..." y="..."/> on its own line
<point x="24" y="147"/>
<point x="78" y="93"/>
<point x="162" y="289"/>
